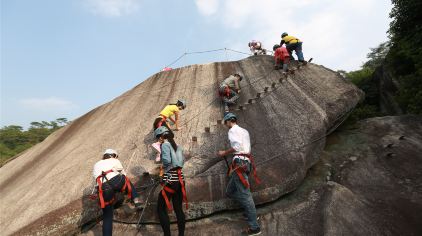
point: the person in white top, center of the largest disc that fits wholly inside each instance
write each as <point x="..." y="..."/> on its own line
<point x="256" y="48"/>
<point x="238" y="185"/>
<point x="111" y="179"/>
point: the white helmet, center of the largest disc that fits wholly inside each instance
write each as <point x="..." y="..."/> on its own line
<point x="110" y="151"/>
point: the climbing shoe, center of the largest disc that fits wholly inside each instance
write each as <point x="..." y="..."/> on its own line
<point x="250" y="231"/>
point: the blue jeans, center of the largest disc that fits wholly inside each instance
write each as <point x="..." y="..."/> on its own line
<point x="242" y="195"/>
<point x="297" y="47"/>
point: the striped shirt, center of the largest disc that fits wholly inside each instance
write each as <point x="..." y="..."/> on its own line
<point x="172" y="176"/>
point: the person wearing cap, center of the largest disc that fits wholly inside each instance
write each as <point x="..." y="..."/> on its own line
<point x="281" y="57"/>
<point x="238" y="187"/>
<point x="173" y="183"/>
<point x="229" y="90"/>
<point x="111" y="179"/>
<point x="292" y="44"/>
<point x="167" y="114"/>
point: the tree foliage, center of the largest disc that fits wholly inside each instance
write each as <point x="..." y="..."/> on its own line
<point x="14" y="139"/>
<point x="404" y="58"/>
<point x="401" y="56"/>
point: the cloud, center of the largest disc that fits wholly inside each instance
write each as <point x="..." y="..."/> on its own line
<point x="113" y="8"/>
<point x="47" y="104"/>
<point x="207" y="7"/>
<point x="333" y="32"/>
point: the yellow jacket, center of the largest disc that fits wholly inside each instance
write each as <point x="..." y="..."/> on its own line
<point x="289" y="40"/>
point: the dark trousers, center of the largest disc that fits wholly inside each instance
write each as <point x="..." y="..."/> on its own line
<point x="157" y="122"/>
<point x="297" y="47"/>
<point x="110" y="188"/>
<point x="177" y="199"/>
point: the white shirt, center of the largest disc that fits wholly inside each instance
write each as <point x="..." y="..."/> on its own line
<point x="239" y="140"/>
<point x="106" y="165"/>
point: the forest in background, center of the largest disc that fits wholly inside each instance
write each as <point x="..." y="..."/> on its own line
<point x="400" y="57"/>
<point x="14" y="139"/>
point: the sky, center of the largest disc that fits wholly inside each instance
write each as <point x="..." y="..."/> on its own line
<point x="64" y="58"/>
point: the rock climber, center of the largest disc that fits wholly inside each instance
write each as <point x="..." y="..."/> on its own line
<point x="229" y="90"/>
<point x="256" y="48"/>
<point x="281" y="57"/>
<point x="238" y="187"/>
<point x="293" y="44"/>
<point x="173" y="182"/>
<point x="111" y="179"/>
<point x="167" y="114"/>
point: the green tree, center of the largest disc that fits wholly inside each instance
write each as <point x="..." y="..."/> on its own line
<point x="14" y="140"/>
<point x="377" y="56"/>
<point x="404" y="58"/>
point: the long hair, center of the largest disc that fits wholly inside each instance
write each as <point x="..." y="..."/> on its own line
<point x="171" y="140"/>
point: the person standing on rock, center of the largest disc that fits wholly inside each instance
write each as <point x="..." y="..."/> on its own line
<point x="238" y="187"/>
<point x="167" y="114"/>
<point x="281" y="57"/>
<point x="229" y="90"/>
<point x="173" y="182"/>
<point x="293" y="44"/>
<point x="111" y="179"/>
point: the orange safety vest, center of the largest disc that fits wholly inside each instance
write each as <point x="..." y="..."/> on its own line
<point x="100" y="188"/>
<point x="169" y="190"/>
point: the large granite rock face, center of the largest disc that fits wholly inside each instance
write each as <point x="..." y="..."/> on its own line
<point x="368" y="182"/>
<point x="43" y="189"/>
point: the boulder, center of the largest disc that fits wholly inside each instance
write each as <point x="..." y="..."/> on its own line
<point x="46" y="188"/>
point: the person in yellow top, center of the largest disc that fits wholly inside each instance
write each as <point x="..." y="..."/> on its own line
<point x="167" y="114"/>
<point x="292" y="43"/>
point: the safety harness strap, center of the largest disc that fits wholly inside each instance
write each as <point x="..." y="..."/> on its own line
<point x="240" y="170"/>
<point x="125" y="187"/>
<point x="171" y="191"/>
<point x="162" y="120"/>
<point x="166" y="199"/>
<point x="185" y="199"/>
<point x="100" y="189"/>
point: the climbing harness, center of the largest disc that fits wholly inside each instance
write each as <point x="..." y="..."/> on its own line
<point x="171" y="191"/>
<point x="240" y="169"/>
<point x="100" y="180"/>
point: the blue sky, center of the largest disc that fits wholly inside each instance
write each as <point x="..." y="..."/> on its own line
<point x="64" y="58"/>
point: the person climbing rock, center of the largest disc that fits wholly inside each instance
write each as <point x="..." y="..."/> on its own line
<point x="167" y="114"/>
<point x="229" y="90"/>
<point x="293" y="44"/>
<point x="173" y="182"/>
<point x="111" y="178"/>
<point x="256" y="48"/>
<point x="238" y="187"/>
<point x="281" y="57"/>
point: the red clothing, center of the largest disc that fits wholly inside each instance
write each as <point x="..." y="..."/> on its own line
<point x="281" y="54"/>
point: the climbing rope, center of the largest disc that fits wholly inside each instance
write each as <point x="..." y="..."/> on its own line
<point x="207" y="51"/>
